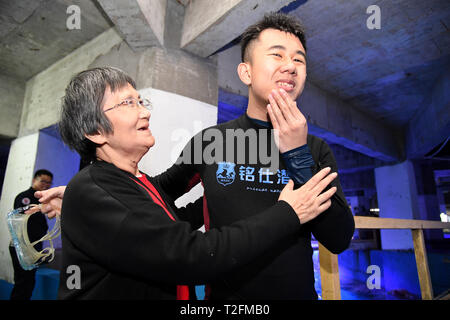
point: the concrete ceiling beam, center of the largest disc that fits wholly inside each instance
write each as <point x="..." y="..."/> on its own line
<point x="140" y="22"/>
<point x="430" y="125"/>
<point x="341" y="123"/>
<point x="208" y="27"/>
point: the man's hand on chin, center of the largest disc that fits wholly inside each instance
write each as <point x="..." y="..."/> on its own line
<point x="291" y="128"/>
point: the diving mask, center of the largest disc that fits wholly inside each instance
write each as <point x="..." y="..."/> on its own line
<point x="28" y="256"/>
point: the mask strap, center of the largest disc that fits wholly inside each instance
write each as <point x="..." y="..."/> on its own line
<point x="54" y="233"/>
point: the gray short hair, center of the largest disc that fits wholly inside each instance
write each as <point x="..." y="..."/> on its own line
<point x="82" y="112"/>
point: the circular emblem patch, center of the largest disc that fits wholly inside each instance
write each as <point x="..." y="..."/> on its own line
<point x="26" y="201"/>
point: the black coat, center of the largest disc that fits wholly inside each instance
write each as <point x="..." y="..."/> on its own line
<point x="245" y="190"/>
<point x="127" y="247"/>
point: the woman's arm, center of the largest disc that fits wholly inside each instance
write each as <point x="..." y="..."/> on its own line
<point x="116" y="224"/>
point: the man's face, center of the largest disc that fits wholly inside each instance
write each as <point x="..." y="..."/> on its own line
<point x="42" y="182"/>
<point x="277" y="60"/>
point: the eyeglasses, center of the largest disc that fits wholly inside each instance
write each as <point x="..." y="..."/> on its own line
<point x="43" y="181"/>
<point x="46" y="182"/>
<point x="133" y="103"/>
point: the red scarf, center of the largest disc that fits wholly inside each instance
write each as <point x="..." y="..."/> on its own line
<point x="182" y="290"/>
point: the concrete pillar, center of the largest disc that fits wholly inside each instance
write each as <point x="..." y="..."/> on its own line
<point x="428" y="196"/>
<point x="12" y="92"/>
<point x="397" y="198"/>
<point x="208" y="27"/>
<point x="179" y="72"/>
<point x="166" y="68"/>
<point x="18" y="176"/>
<point x="140" y="22"/>
<point x="183" y="89"/>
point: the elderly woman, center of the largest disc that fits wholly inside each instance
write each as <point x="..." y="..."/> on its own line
<point x="120" y="228"/>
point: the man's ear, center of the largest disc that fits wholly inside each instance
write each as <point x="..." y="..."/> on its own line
<point x="244" y="73"/>
<point x="96" y="138"/>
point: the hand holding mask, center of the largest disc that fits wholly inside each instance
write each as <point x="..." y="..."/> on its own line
<point x="28" y="256"/>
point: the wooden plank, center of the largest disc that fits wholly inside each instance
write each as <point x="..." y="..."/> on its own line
<point x="422" y="265"/>
<point x="329" y="274"/>
<point x="388" y="223"/>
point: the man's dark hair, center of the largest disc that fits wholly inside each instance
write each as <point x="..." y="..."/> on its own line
<point x="277" y="21"/>
<point x="42" y="172"/>
<point x="82" y="112"/>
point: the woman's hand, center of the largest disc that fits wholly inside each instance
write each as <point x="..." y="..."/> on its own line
<point x="50" y="201"/>
<point x="307" y="201"/>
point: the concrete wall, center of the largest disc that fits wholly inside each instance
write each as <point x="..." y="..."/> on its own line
<point x="337" y="121"/>
<point x="227" y="62"/>
<point x="174" y="120"/>
<point x="200" y="15"/>
<point x="44" y="91"/>
<point x="179" y="72"/>
<point x="140" y="22"/>
<point x="165" y="69"/>
<point x="187" y="117"/>
<point x="11" y="93"/>
<point x="431" y="124"/>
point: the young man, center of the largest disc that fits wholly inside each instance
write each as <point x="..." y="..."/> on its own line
<point x="274" y="69"/>
<point x="230" y="161"/>
<point x="24" y="280"/>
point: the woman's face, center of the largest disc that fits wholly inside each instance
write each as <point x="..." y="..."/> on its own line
<point x="131" y="134"/>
